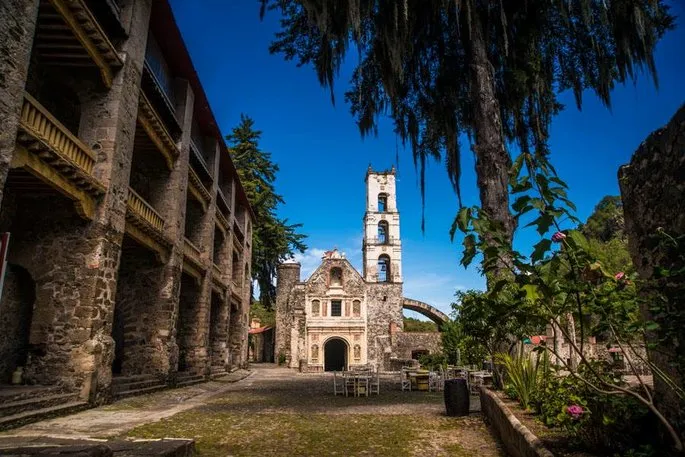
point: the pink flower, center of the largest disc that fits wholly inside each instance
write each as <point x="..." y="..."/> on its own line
<point x="558" y="237"/>
<point x="619" y="276"/>
<point x="575" y="411"/>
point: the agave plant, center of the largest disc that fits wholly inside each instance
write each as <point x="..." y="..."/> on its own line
<point x="521" y="373"/>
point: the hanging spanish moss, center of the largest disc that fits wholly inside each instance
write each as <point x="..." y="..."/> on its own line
<point x="489" y="69"/>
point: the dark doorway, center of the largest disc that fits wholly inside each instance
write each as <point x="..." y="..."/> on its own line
<point x="418" y="353"/>
<point x="16" y="310"/>
<point x="335" y="355"/>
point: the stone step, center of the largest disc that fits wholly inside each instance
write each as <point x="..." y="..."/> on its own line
<point x="142" y="391"/>
<point x="135" y="385"/>
<point x="218" y="374"/>
<point x="217" y="368"/>
<point x="132" y="378"/>
<point x="189" y="382"/>
<point x="26" y="417"/>
<point x="189" y="377"/>
<point x="9" y="394"/>
<point x="39" y="402"/>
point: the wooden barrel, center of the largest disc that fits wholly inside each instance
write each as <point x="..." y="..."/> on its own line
<point x="457" y="399"/>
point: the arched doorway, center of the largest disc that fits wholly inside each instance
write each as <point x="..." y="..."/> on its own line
<point x="16" y="315"/>
<point x="335" y="355"/>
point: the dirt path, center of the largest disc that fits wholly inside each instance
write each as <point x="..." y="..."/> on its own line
<point x="279" y="412"/>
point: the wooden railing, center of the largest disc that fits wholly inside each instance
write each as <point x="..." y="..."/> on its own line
<point x="191" y="251"/>
<point x="144" y="211"/>
<point x="195" y="182"/>
<point x="222" y="220"/>
<point x="197" y="152"/>
<point x="222" y="202"/>
<point x="38" y="122"/>
<point x="154" y="126"/>
<point x="217" y="274"/>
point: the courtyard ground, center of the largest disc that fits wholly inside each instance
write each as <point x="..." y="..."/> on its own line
<point x="275" y="411"/>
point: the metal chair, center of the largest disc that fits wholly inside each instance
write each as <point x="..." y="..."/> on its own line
<point x="338" y="383"/>
<point x="375" y="385"/>
<point x="350" y="384"/>
<point x="436" y="381"/>
<point x="405" y="380"/>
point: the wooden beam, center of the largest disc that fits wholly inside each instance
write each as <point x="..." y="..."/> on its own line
<point x="83" y="202"/>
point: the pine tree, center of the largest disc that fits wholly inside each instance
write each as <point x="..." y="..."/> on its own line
<point x="274" y="239"/>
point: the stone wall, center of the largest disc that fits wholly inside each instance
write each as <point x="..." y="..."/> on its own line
<point x="404" y="343"/>
<point x="384" y="308"/>
<point x="287" y="276"/>
<point x="57" y="249"/>
<point x="142" y="330"/>
<point x="18" y="19"/>
<point x="653" y="193"/>
<point x="516" y="438"/>
<point x="16" y="308"/>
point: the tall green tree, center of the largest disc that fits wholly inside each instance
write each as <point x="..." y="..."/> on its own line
<point x="488" y="69"/>
<point x="274" y="239"/>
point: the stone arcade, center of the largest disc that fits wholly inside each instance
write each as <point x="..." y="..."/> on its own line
<point x="129" y="259"/>
<point x="338" y="318"/>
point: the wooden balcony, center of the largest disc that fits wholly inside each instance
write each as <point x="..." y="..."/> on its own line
<point x="217" y="276"/>
<point x="202" y="163"/>
<point x="238" y="230"/>
<point x="68" y="34"/>
<point x="50" y="152"/>
<point x="154" y="127"/>
<point x="223" y="222"/>
<point x="145" y="225"/>
<point x="192" y="260"/>
<point x="197" y="189"/>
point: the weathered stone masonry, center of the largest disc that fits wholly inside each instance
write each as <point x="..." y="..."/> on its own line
<point x="130" y="231"/>
<point x="653" y="194"/>
<point x="338" y="318"/>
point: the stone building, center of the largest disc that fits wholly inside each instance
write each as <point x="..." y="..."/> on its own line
<point x="339" y="318"/>
<point x="129" y="256"/>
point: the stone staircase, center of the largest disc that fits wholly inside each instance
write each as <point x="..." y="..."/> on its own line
<point x="188" y="378"/>
<point x="21" y="405"/>
<point x="217" y="371"/>
<point x="129" y="386"/>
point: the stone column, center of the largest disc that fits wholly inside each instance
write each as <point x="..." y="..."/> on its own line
<point x="287" y="276"/>
<point x="18" y="19"/>
<point x="653" y="193"/>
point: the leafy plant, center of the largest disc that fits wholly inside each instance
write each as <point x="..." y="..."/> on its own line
<point x="521" y="373"/>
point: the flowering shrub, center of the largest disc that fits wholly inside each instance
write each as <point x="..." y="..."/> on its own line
<point x="575" y="411"/>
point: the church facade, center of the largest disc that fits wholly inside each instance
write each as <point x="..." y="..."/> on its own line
<point x="339" y="318"/>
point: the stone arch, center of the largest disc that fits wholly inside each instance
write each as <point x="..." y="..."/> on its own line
<point x="425" y="309"/>
<point x="336" y="354"/>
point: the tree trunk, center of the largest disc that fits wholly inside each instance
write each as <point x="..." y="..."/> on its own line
<point x="492" y="159"/>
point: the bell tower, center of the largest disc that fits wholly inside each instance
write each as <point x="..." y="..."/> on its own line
<point x="382" y="248"/>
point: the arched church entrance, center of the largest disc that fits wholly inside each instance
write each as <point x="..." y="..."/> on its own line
<point x="335" y="355"/>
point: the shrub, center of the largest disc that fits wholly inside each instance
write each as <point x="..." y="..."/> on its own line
<point x="432" y="361"/>
<point x="521" y="373"/>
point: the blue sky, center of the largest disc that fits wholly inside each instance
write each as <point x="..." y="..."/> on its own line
<point x="323" y="159"/>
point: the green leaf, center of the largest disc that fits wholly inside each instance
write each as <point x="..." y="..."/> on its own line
<point x="463" y="219"/>
<point x="541" y="249"/>
<point x="543" y="223"/>
<point x="469" y="250"/>
<point x="532" y="292"/>
<point x="521" y="203"/>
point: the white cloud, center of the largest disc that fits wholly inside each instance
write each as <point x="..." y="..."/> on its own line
<point x="435" y="289"/>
